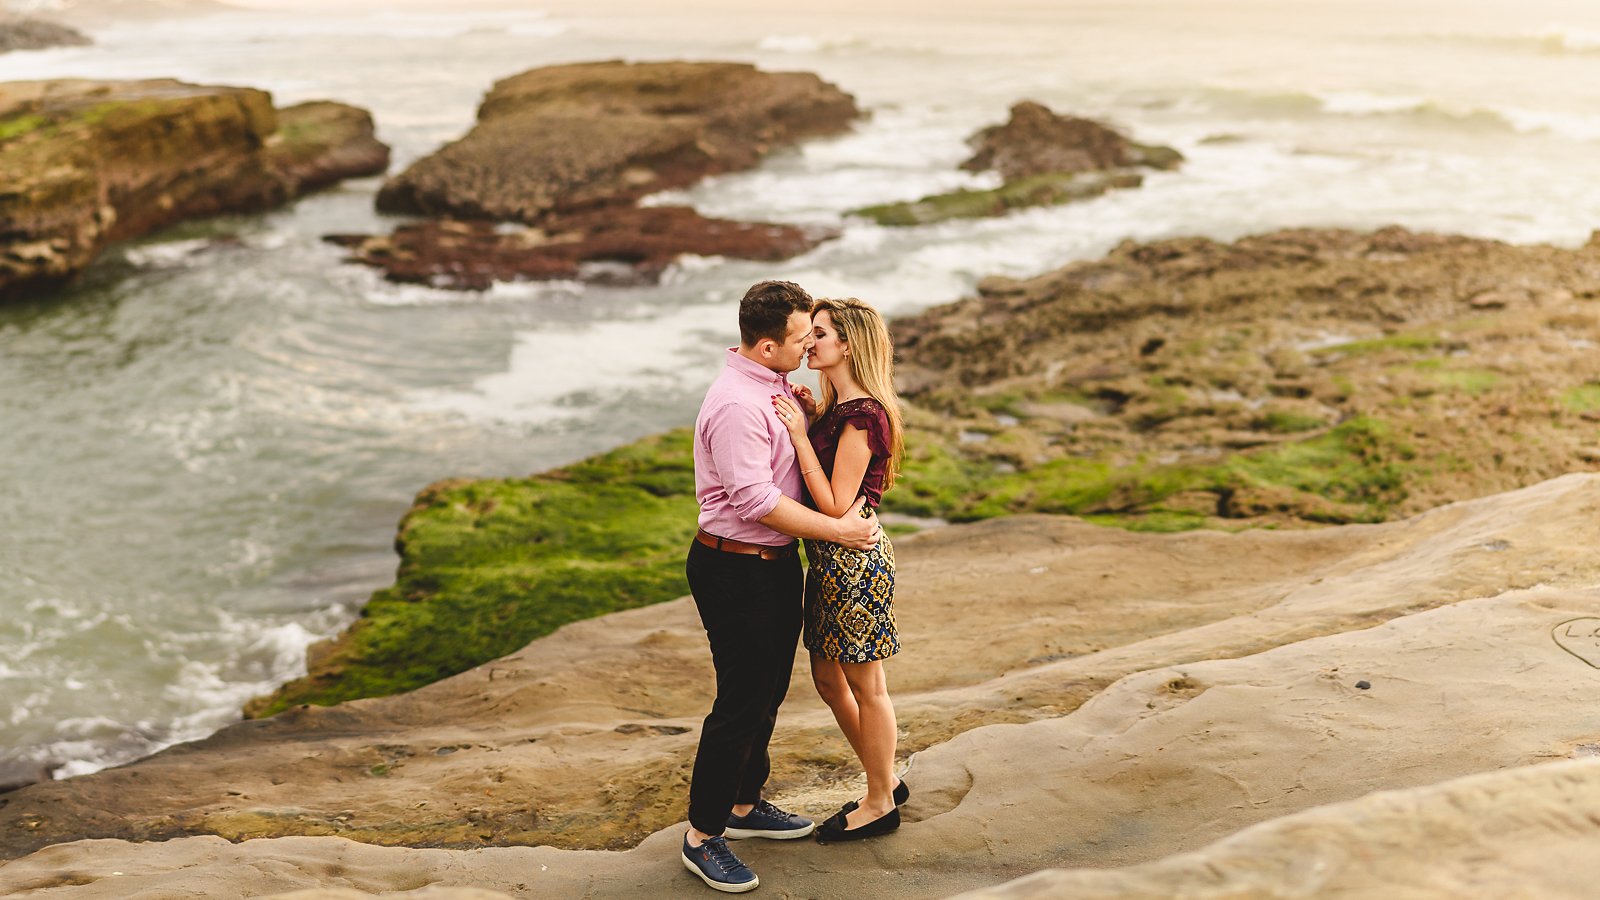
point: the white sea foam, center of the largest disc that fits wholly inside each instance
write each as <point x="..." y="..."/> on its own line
<point x="169" y="253"/>
<point x="1572" y="126"/>
<point x="790" y="43"/>
<point x="810" y="44"/>
<point x="1569" y="40"/>
<point x="1364" y="103"/>
<point x="553" y="375"/>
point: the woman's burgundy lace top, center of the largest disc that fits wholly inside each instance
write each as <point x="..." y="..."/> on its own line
<point x="868" y="415"/>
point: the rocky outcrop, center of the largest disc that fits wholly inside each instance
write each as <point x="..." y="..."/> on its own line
<point x="84" y="163"/>
<point x="616" y="245"/>
<point x="1036" y="141"/>
<point x="321" y="143"/>
<point x="1045" y="160"/>
<point x="21" y="33"/>
<point x="1146" y="695"/>
<point x="1293" y="377"/>
<point x="567" y="150"/>
<point x="571" y="137"/>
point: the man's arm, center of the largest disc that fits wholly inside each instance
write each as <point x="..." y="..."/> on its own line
<point x="849" y="529"/>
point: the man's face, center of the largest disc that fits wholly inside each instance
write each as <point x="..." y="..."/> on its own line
<point x="787" y="356"/>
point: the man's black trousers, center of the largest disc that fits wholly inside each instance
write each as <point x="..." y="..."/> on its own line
<point x="751" y="609"/>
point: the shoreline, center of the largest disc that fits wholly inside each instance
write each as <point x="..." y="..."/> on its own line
<point x="1325" y="435"/>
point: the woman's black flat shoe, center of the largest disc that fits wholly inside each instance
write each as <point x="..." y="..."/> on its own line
<point x="901" y="795"/>
<point x="834" y="831"/>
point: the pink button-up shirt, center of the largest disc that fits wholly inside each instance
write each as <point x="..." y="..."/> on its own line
<point x="743" y="456"/>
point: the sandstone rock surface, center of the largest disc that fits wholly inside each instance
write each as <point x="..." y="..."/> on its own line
<point x="1523" y="832"/>
<point x="1147" y="695"/>
<point x="86" y="163"/>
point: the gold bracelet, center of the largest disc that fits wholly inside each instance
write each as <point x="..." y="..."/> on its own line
<point x="805" y="472"/>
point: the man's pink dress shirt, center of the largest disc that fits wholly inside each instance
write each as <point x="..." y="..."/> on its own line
<point x="743" y="457"/>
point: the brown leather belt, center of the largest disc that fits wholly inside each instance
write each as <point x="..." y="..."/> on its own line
<point x="728" y="545"/>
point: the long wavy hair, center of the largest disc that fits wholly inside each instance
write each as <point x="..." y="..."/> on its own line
<point x="872" y="364"/>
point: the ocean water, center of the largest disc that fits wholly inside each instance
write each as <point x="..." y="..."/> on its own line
<point x="206" y="444"/>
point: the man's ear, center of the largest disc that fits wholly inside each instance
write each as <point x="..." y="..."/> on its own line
<point x="765" y="347"/>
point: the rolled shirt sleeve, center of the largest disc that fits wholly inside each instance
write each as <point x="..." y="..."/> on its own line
<point x="740" y="445"/>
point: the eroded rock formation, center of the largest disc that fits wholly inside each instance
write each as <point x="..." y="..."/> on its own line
<point x="1045" y="159"/>
<point x="86" y="163"/>
<point x="568" y="149"/>
<point x="1036" y="141"/>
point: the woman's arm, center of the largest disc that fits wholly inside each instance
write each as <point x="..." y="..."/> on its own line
<point x="849" y="467"/>
<point x="833" y="498"/>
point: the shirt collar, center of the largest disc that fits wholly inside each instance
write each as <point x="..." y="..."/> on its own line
<point x="752" y="369"/>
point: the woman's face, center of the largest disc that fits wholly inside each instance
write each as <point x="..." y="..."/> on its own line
<point x="829" y="349"/>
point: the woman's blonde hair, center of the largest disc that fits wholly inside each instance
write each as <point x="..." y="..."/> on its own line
<point x="862" y="330"/>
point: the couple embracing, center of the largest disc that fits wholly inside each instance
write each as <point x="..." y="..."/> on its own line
<point x="762" y="448"/>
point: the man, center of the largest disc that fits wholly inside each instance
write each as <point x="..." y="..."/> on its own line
<point x="744" y="571"/>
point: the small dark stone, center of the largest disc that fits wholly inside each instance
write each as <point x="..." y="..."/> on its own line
<point x="1363" y="685"/>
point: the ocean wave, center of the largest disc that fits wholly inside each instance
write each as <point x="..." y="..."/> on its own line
<point x="1405" y="109"/>
<point x="553" y="374"/>
<point x="811" y="44"/>
<point x="202" y="696"/>
<point x="1551" y="40"/>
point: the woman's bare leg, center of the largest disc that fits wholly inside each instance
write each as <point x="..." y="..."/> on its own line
<point x="876" y="739"/>
<point x="835" y="691"/>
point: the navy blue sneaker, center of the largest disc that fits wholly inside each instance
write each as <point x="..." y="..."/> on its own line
<point x="716" y="865"/>
<point x="768" y="821"/>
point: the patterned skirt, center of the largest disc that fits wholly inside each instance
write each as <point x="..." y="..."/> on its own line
<point x="850" y="602"/>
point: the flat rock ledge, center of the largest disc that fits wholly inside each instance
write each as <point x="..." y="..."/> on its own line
<point x="86" y="163"/>
<point x="619" y="245"/>
<point x="1046" y="159"/>
<point x="1320" y="703"/>
<point x="569" y="150"/>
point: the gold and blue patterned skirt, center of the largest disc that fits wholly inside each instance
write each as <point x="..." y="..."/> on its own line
<point x="850" y="602"/>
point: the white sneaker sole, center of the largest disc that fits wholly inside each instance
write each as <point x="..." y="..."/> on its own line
<point x="739" y="834"/>
<point x="718" y="886"/>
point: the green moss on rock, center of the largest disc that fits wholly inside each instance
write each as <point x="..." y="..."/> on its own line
<point x="1050" y="189"/>
<point x="487" y="566"/>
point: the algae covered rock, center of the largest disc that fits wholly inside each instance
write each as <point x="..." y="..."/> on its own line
<point x="488" y="565"/>
<point x="1045" y="159"/>
<point x="1302" y="376"/>
<point x="566" y="137"/>
<point x="1048" y="189"/>
<point x="86" y="163"/>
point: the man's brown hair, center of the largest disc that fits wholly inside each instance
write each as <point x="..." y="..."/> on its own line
<point x="765" y="310"/>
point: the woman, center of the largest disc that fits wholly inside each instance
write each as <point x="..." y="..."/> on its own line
<point x="852" y="448"/>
